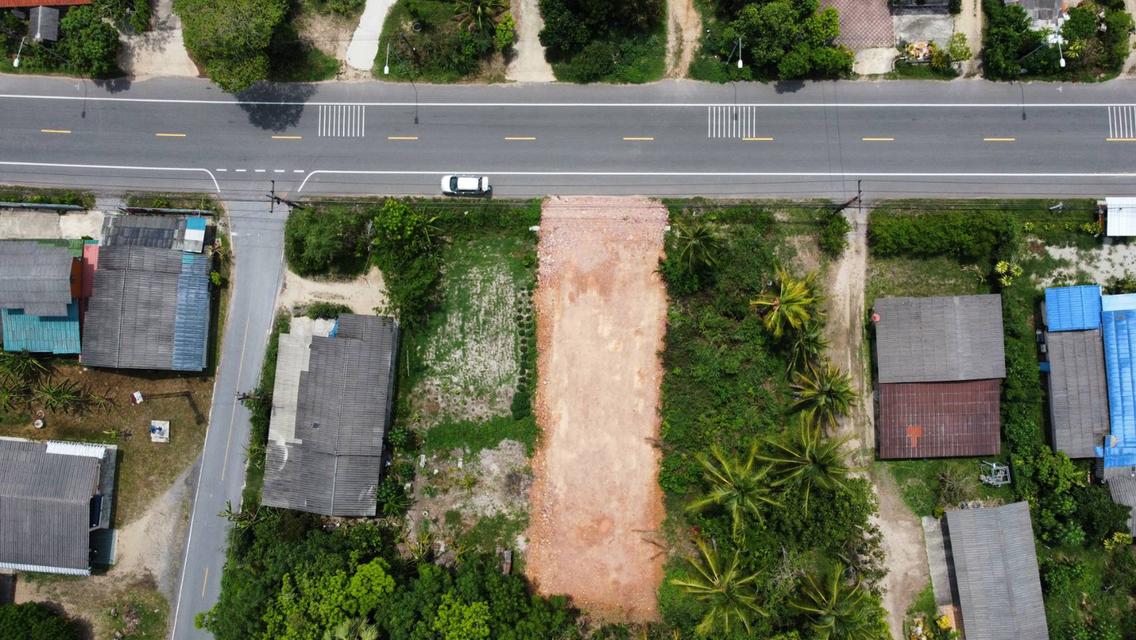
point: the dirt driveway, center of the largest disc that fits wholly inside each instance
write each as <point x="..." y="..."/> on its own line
<point x="601" y="317"/>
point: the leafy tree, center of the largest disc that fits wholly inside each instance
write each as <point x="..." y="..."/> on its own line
<point x="787" y="39"/>
<point x="1009" y="43"/>
<point x="353" y="629"/>
<point x="309" y="602"/>
<point x="231" y="39"/>
<point x="728" y="593"/>
<point x="737" y="486"/>
<point x="1097" y="514"/>
<point x="405" y="251"/>
<point x="459" y="621"/>
<point x="823" y="393"/>
<point x="89" y="44"/>
<point x="791" y="306"/>
<point x="804" y="457"/>
<point x="36" y="621"/>
<point x="838" y="608"/>
<point x="325" y="242"/>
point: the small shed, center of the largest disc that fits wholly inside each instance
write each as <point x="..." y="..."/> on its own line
<point x="1120" y="217"/>
<point x="1073" y="308"/>
<point x="44" y="24"/>
<point x="1078" y="392"/>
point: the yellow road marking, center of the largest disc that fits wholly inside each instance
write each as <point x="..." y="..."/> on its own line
<point x="638" y="138"/>
<point x="999" y="139"/>
<point x="520" y="138"/>
<point x="1120" y="139"/>
<point x="769" y="139"/>
<point x="170" y="135"/>
<point x="870" y="139"/>
<point x="55" y="131"/>
<point x="287" y="137"/>
<point x="402" y="137"/>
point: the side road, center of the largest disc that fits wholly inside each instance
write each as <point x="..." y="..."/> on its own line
<point x="258" y="249"/>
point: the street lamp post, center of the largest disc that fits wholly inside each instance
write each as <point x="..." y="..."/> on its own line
<point x="414" y="52"/>
<point x="16" y="62"/>
<point x="387" y="64"/>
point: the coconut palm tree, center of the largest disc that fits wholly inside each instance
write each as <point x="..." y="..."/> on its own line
<point x="791" y="306"/>
<point x="738" y="486"/>
<point x="823" y="393"/>
<point x="729" y="594"/>
<point x="804" y="457"/>
<point x="808" y="346"/>
<point x="353" y="629"/>
<point x="838" y="608"/>
<point x="698" y="245"/>
<point x="478" y="15"/>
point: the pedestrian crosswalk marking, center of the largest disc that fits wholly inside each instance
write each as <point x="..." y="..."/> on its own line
<point x="731" y="121"/>
<point x="342" y="121"/>
<point x="1122" y="122"/>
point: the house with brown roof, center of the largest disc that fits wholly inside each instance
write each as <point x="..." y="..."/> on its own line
<point x="939" y="364"/>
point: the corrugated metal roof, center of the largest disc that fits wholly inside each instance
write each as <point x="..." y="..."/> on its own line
<point x="343" y="406"/>
<point x="1121" y="302"/>
<point x="1123" y="490"/>
<point x="1119" y="351"/>
<point x="1073" y="308"/>
<point x="940" y="339"/>
<point x="1120" y="219"/>
<point x="41" y="334"/>
<point x="45" y="502"/>
<point x="35" y="277"/>
<point x="1078" y="392"/>
<point x="939" y="419"/>
<point x="149" y="309"/>
<point x="292" y="357"/>
<point x="159" y="232"/>
<point x="43" y="24"/>
<point x="995" y="568"/>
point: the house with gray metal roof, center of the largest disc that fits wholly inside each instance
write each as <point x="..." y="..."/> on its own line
<point x="939" y="362"/>
<point x="184" y="233"/>
<point x="55" y="506"/>
<point x="993" y="562"/>
<point x="331" y="407"/>
<point x="38" y="286"/>
<point x="1078" y="396"/>
<point x="149" y="309"/>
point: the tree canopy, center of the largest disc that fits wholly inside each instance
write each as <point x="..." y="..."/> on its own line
<point x="231" y="39"/>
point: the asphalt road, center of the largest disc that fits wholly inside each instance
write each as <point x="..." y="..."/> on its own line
<point x="892" y="139"/>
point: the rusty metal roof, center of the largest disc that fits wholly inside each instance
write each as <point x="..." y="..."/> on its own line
<point x="939" y="419"/>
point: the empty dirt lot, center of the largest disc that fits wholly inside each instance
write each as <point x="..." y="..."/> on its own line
<point x="601" y="317"/>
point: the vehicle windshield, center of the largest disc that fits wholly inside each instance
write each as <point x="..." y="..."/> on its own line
<point x="453" y="183"/>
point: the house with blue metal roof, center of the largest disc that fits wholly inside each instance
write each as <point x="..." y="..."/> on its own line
<point x="38" y="285"/>
<point x="1073" y="308"/>
<point x="1119" y="329"/>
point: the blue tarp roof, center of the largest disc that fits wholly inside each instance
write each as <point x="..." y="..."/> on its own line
<point x="41" y="334"/>
<point x="191" y="317"/>
<point x="1120" y="367"/>
<point x="1073" y="308"/>
<point x="197" y="223"/>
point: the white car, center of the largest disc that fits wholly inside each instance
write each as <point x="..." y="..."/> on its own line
<point x="466" y="185"/>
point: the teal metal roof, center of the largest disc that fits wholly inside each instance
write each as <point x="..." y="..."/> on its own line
<point x="41" y="334"/>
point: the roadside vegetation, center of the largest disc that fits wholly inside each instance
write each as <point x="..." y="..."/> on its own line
<point x="1083" y="547"/>
<point x="1096" y="43"/>
<point x="589" y="41"/>
<point x="777" y="40"/>
<point x="446" y="40"/>
<point x="37" y="621"/>
<point x="940" y="63"/>
<point x="768" y="520"/>
<point x="88" y="40"/>
<point x="241" y="42"/>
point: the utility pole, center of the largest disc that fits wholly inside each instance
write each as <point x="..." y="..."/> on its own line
<point x="275" y="200"/>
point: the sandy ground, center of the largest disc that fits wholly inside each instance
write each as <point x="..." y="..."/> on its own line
<point x="684" y="29"/>
<point x="363" y="294"/>
<point x="601" y="317"/>
<point x="1096" y="265"/>
<point x="528" y="64"/>
<point x="969" y="22"/>
<point x="148" y="556"/>
<point x="160" y="51"/>
<point x="875" y="61"/>
<point x="906" y="557"/>
<point x="23" y="224"/>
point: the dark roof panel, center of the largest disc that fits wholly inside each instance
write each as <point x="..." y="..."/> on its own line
<point x="35" y="277"/>
<point x="939" y="419"/>
<point x="1123" y="490"/>
<point x="995" y="567"/>
<point x="1078" y="394"/>
<point x="940" y="339"/>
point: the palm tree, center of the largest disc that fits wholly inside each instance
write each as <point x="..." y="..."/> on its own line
<point x="837" y="608"/>
<point x="806" y="458"/>
<point x="478" y="13"/>
<point x="21" y="369"/>
<point x="698" y="244"/>
<point x="353" y="629"/>
<point x="807" y="347"/>
<point x="729" y="596"/>
<point x="64" y="396"/>
<point x="791" y="306"/>
<point x="736" y="486"/>
<point x="823" y="393"/>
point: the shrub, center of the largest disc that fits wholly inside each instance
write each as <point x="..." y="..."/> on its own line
<point x="36" y="621"/>
<point x="231" y="39"/>
<point x="970" y="236"/>
<point x="595" y="62"/>
<point x="589" y="41"/>
<point x="328" y="241"/>
<point x="89" y="44"/>
<point x="1098" y="515"/>
<point x="833" y="234"/>
<point x="326" y="310"/>
<point x="506" y="32"/>
<point x="405" y="252"/>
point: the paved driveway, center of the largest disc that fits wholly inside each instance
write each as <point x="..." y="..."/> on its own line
<point x="863" y="23"/>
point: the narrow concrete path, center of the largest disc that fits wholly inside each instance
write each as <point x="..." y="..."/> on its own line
<point x="365" y="41"/>
<point x="160" y="51"/>
<point x="528" y="63"/>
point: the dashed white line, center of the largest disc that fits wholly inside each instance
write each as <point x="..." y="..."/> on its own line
<point x="277" y="171"/>
<point x="220" y="170"/>
<point x="259" y="170"/>
<point x="240" y="170"/>
<point x="297" y="170"/>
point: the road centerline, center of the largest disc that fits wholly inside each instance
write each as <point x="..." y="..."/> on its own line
<point x="638" y="138"/>
<point x="999" y="139"/>
<point x="520" y="138"/>
<point x="287" y="137"/>
<point x="877" y="139"/>
<point x="169" y="135"/>
<point x="60" y="131"/>
<point x="402" y="138"/>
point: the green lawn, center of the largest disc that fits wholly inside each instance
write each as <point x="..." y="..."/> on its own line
<point x="919" y="482"/>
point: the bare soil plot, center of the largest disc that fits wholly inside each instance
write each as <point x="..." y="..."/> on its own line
<point x="684" y="29"/>
<point x="601" y="317"/>
<point x="362" y="294"/>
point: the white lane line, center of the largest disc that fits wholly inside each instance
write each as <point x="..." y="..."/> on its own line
<point x="277" y="171"/>
<point x="297" y="170"/>
<point x="711" y="174"/>
<point x="220" y="170"/>
<point x="240" y="170"/>
<point x="258" y="170"/>
<point x="233" y="413"/>
<point x="621" y="105"/>
<point x="114" y="167"/>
